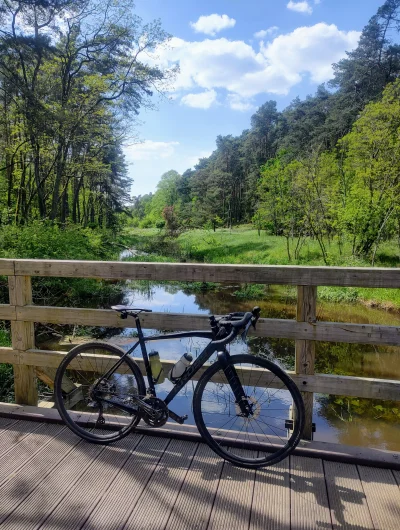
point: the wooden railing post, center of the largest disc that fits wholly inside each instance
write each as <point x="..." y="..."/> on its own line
<point x="305" y="349"/>
<point x="23" y="338"/>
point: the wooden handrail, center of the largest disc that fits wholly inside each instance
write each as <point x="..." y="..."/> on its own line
<point x="266" y="327"/>
<point x="304" y="330"/>
<point x="199" y="272"/>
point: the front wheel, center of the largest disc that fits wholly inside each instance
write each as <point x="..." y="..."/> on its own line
<point x="273" y="399"/>
<point x="90" y="403"/>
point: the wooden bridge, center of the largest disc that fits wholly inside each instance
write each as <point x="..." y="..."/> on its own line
<point x="50" y="479"/>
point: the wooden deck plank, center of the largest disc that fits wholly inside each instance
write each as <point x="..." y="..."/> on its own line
<point x="51" y="479"/>
<point x="347" y="499"/>
<point x="76" y="506"/>
<point x="396" y="474"/>
<point x="309" y="500"/>
<point x="121" y="497"/>
<point x="193" y="506"/>
<point x="35" y="509"/>
<point x="155" y="505"/>
<point x="5" y="423"/>
<point x="232" y="505"/>
<point x="383" y="497"/>
<point x="20" y="453"/>
<point x="271" y="498"/>
<point x="14" y="433"/>
<point x="36" y="470"/>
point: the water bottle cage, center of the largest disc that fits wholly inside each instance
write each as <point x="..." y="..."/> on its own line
<point x="175" y="380"/>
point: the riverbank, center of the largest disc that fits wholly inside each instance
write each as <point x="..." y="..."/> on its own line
<point x="243" y="245"/>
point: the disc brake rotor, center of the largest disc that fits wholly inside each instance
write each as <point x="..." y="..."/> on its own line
<point x="255" y="409"/>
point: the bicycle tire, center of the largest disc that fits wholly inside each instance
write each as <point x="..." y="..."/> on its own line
<point x="213" y="438"/>
<point x="114" y="431"/>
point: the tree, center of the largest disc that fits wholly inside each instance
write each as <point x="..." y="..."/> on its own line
<point x="72" y="80"/>
<point x="372" y="160"/>
<point x="362" y="76"/>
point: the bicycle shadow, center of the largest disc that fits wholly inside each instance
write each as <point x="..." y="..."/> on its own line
<point x="180" y="484"/>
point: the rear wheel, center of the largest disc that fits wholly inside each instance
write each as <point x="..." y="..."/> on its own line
<point x="80" y="387"/>
<point x="273" y="398"/>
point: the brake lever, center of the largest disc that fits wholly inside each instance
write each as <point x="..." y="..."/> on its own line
<point x="246" y="330"/>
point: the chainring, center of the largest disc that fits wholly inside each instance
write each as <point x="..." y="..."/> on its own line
<point x="160" y="414"/>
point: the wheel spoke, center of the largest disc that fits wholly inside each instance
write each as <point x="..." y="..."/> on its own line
<point x="267" y="394"/>
<point x="82" y="407"/>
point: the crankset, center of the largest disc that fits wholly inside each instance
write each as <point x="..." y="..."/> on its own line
<point x="155" y="413"/>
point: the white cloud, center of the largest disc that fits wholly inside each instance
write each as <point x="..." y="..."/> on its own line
<point x="202" y="100"/>
<point x="213" y="24"/>
<point x="150" y="150"/>
<point x="238" y="103"/>
<point x="245" y="71"/>
<point x="264" y="32"/>
<point x="300" y="7"/>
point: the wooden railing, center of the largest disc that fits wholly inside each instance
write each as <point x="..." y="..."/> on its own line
<point x="305" y="330"/>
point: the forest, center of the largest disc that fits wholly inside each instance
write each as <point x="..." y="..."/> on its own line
<point x="325" y="168"/>
<point x="72" y="81"/>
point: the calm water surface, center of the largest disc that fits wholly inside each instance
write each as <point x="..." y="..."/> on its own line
<point x="342" y="419"/>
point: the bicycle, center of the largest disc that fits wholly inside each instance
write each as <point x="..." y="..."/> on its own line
<point x="231" y="400"/>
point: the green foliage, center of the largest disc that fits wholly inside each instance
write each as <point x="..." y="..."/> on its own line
<point x="71" y="86"/>
<point x="6" y="383"/>
<point x="339" y="294"/>
<point x="45" y="241"/>
<point x="372" y="163"/>
<point x="251" y="292"/>
<point x="6" y="371"/>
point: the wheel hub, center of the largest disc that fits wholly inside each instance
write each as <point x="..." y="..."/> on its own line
<point x="254" y="411"/>
<point x="101" y="386"/>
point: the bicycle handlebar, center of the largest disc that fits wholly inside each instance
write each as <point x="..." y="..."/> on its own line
<point x="237" y="325"/>
<point x="246" y="317"/>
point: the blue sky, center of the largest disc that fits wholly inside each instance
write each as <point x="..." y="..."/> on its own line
<point x="234" y="55"/>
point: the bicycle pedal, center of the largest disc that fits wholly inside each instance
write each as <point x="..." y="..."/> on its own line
<point x="178" y="419"/>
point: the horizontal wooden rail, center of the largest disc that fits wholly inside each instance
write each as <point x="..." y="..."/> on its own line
<point x="266" y="327"/>
<point x="362" y="387"/>
<point x="8" y="355"/>
<point x="264" y="274"/>
<point x="6" y="267"/>
<point x="7" y="312"/>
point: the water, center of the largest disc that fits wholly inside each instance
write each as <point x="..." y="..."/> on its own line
<point x="345" y="420"/>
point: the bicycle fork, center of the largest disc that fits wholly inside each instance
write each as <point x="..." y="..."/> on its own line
<point x="235" y="384"/>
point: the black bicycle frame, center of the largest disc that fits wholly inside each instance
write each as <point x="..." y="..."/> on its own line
<point x="212" y="347"/>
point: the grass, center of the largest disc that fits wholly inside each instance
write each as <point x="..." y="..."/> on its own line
<point x="251" y="291"/>
<point x="5" y="339"/>
<point x="243" y="245"/>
